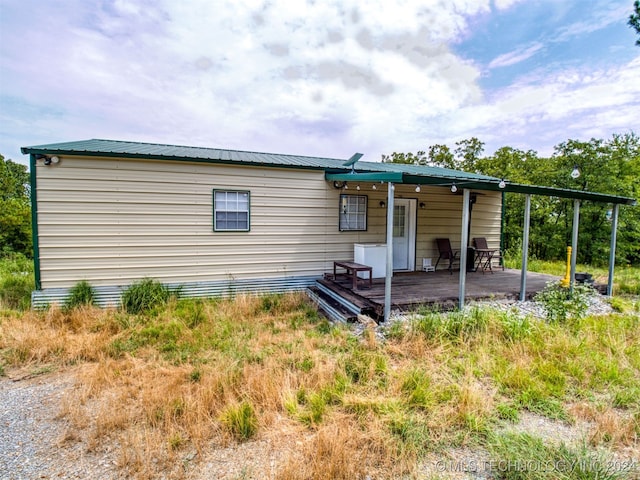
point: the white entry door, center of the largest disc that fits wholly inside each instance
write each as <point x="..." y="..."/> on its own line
<point x="404" y="234"/>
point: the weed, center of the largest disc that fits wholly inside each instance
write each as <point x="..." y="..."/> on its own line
<point x="240" y="420"/>
<point x="456" y="325"/>
<point x="560" y="303"/>
<point x="514" y="327"/>
<point x="81" y="294"/>
<point x="144" y="295"/>
<point x="507" y="411"/>
<point x="525" y="457"/>
<point x="196" y="375"/>
<point x="412" y="431"/>
<point x="417" y="388"/>
<point x="191" y="311"/>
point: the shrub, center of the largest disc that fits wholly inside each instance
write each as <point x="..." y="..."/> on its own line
<point x="16" y="281"/>
<point x="15" y="292"/>
<point x="82" y="293"/>
<point x="560" y="303"/>
<point x="144" y="295"/>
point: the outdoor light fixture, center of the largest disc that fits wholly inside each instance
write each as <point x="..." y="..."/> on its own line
<point x="417" y="188"/>
<point x="47" y="160"/>
<point x="575" y="173"/>
<point x="345" y="186"/>
<point x="373" y="187"/>
<point x="502" y="183"/>
<point x="358" y="187"/>
<point x="339" y="185"/>
<point x="609" y="215"/>
<point x="382" y="204"/>
<point x="454" y="189"/>
<point x="422" y="205"/>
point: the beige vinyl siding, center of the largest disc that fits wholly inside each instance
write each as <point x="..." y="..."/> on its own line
<point x="113" y="221"/>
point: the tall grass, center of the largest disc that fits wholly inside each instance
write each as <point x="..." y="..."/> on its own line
<point x="16" y="282"/>
<point x="196" y="373"/>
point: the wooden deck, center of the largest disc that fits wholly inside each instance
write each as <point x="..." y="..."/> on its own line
<point x="414" y="289"/>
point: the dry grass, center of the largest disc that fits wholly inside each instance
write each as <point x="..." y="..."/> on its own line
<point x="198" y="374"/>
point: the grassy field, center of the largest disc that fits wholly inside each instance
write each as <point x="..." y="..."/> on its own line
<point x="187" y="374"/>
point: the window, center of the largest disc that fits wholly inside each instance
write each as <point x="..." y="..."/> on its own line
<point x="230" y="211"/>
<point x="353" y="212"/>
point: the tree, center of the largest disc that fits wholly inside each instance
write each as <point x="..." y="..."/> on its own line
<point x="634" y="19"/>
<point x="607" y="166"/>
<point x="441" y="156"/>
<point x="410" y="158"/>
<point x="15" y="211"/>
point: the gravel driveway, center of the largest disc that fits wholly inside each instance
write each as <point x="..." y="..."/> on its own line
<point x="30" y="432"/>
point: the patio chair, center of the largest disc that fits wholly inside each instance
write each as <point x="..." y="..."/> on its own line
<point x="446" y="252"/>
<point x="486" y="255"/>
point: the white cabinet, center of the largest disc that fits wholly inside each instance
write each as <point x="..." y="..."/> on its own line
<point x="373" y="255"/>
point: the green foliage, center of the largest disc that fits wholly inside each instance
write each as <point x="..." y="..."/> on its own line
<point x="458" y="325"/>
<point x="15" y="211"/>
<point x="81" y="294"/>
<point x="416" y="385"/>
<point x="16" y="281"/>
<point x="520" y="456"/>
<point x="560" y="303"/>
<point x="145" y="295"/>
<point x="240" y="420"/>
<point x="606" y="166"/>
<point x="634" y="19"/>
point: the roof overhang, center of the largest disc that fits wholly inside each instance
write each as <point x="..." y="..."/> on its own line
<point x="476" y="184"/>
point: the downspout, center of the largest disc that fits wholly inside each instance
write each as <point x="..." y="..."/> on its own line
<point x="389" y="269"/>
<point x="464" y="242"/>
<point x="34" y="220"/>
<point x="612" y="250"/>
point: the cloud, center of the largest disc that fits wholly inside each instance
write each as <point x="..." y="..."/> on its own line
<point x="317" y="77"/>
<point x="223" y="73"/>
<point x="515" y="56"/>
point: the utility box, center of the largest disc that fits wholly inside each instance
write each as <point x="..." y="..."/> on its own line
<point x="373" y="255"/>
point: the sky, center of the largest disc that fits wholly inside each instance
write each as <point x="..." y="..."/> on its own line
<point x="317" y="77"/>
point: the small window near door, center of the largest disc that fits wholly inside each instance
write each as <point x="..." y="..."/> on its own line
<point x="353" y="213"/>
<point x="230" y="211"/>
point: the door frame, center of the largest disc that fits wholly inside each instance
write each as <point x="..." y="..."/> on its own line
<point x="412" y="217"/>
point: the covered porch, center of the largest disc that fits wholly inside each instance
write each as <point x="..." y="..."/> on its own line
<point x="439" y="289"/>
<point x="461" y="287"/>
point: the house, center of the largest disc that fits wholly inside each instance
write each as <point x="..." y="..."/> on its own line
<point x="221" y="221"/>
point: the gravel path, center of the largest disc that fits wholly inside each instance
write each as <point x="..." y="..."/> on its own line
<point x="31" y="433"/>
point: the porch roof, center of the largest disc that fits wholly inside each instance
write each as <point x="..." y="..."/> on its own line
<point x="417" y="175"/>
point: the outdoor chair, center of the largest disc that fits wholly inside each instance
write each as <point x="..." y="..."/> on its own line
<point x="486" y="255"/>
<point x="447" y="253"/>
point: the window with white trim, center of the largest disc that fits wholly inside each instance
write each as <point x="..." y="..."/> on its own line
<point x="230" y="211"/>
<point x="353" y="212"/>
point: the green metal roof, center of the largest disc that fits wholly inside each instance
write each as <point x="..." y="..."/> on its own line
<point x="335" y="169"/>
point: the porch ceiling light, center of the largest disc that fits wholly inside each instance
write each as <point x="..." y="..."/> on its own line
<point x="454" y="189"/>
<point x="358" y="187"/>
<point x="575" y="173"/>
<point x="373" y="187"/>
<point x="417" y="188"/>
<point x="382" y="204"/>
<point x="502" y="184"/>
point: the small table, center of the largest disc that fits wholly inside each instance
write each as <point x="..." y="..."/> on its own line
<point x="483" y="258"/>
<point x="352" y="269"/>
